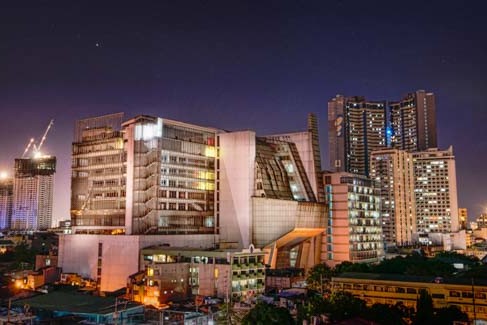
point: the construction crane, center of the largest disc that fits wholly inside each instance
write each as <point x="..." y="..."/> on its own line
<point x="28" y="147"/>
<point x="37" y="149"/>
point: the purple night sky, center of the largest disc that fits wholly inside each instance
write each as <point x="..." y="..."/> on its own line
<point x="259" y="65"/>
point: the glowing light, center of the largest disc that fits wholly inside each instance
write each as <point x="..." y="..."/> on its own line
<point x="37" y="155"/>
<point x="3" y="175"/>
<point x="210" y="152"/>
<point x="18" y="284"/>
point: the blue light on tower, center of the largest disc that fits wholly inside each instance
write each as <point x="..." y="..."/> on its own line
<point x="389" y="134"/>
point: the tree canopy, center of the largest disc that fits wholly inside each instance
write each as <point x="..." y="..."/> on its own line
<point x="266" y="314"/>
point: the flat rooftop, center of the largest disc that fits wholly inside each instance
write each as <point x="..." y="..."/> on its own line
<point x="74" y="302"/>
<point x="409" y="278"/>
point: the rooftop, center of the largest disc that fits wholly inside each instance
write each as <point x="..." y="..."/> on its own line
<point x="408" y="278"/>
<point x="75" y="302"/>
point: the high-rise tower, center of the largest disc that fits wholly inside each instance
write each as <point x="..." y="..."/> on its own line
<point x="413" y="122"/>
<point x="392" y="169"/>
<point x="356" y="127"/>
<point x="436" y="191"/>
<point x="33" y="193"/>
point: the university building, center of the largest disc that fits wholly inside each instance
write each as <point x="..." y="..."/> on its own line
<point x="153" y="181"/>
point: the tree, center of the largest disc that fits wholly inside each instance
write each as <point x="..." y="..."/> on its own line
<point x="266" y="314"/>
<point x="313" y="306"/>
<point x="319" y="277"/>
<point x="228" y="316"/>
<point x="24" y="255"/>
<point x="351" y="267"/>
<point x="448" y="315"/>
<point x="344" y="305"/>
<point x="424" y="308"/>
<point x="385" y="314"/>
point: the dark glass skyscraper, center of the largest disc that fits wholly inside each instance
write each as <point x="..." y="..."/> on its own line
<point x="356" y="127"/>
<point x="413" y="122"/>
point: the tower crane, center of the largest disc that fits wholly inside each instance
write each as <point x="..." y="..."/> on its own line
<point x="28" y="147"/>
<point x="37" y="149"/>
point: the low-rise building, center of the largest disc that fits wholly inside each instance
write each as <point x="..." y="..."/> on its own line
<point x="278" y="279"/>
<point x="63" y="304"/>
<point x="45" y="260"/>
<point x="169" y="274"/>
<point x="394" y="288"/>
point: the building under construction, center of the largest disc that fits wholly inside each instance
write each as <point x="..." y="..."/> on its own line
<point x="33" y="193"/>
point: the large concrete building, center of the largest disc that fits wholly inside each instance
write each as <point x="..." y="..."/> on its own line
<point x="413" y="122"/>
<point x="435" y="190"/>
<point x="268" y="189"/>
<point x="6" y="200"/>
<point x="33" y="193"/>
<point x="181" y="179"/>
<point x="354" y="231"/>
<point x="393" y="171"/>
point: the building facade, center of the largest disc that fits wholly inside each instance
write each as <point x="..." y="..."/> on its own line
<point x="6" y="200"/>
<point x="175" y="179"/>
<point x="435" y="190"/>
<point x="393" y="171"/>
<point x="354" y="231"/>
<point x="179" y="273"/>
<point x="392" y="288"/>
<point x="33" y="193"/>
<point x="413" y="122"/>
<point x="98" y="176"/>
<point x="171" y="177"/>
<point x="356" y="127"/>
<point x="462" y="218"/>
<point x="268" y="189"/>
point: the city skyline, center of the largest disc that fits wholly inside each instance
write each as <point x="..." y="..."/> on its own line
<point x="232" y="65"/>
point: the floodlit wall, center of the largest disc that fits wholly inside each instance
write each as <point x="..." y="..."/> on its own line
<point x="237" y="157"/>
<point x="119" y="255"/>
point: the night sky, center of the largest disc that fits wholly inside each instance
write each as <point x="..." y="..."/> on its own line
<point x="259" y="65"/>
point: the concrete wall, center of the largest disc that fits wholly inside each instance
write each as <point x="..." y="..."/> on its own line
<point x="237" y="159"/>
<point x="120" y="254"/>
<point x="272" y="219"/>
